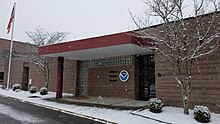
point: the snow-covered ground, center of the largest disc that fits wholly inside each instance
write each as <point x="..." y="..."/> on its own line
<point x="170" y="114"/>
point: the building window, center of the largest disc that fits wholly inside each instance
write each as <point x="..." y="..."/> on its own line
<point x="83" y="78"/>
<point x="108" y="62"/>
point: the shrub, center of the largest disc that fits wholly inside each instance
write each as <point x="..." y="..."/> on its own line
<point x="155" y="105"/>
<point x="18" y="90"/>
<point x="202" y="114"/>
<point x="33" y="89"/>
<point x="16" y="86"/>
<point x="43" y="91"/>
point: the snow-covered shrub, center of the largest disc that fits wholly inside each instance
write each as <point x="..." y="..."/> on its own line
<point x="33" y="89"/>
<point x="16" y="86"/>
<point x="202" y="114"/>
<point x="155" y="105"/>
<point x="43" y="91"/>
<point x="18" y="90"/>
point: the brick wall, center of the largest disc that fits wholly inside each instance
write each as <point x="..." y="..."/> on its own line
<point x="36" y="75"/>
<point x="100" y="84"/>
<point x="34" y="72"/>
<point x="16" y="72"/>
<point x="205" y="83"/>
<point x="53" y="77"/>
<point x="1" y="67"/>
<point x="70" y="76"/>
<point x="17" y="65"/>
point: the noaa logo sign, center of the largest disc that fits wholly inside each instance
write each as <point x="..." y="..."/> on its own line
<point x="123" y="75"/>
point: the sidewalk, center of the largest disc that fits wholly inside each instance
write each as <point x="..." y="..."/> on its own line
<point x="114" y="103"/>
<point x="142" y="116"/>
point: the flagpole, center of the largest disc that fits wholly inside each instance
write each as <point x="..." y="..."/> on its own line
<point x="10" y="55"/>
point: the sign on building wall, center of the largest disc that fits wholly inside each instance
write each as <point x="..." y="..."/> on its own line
<point x="123" y="75"/>
<point x="113" y="76"/>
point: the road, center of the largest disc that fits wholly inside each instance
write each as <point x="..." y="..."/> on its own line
<point x="16" y="112"/>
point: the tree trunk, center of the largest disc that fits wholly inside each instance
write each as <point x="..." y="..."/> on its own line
<point x="46" y="80"/>
<point x="46" y="75"/>
<point x="185" y="99"/>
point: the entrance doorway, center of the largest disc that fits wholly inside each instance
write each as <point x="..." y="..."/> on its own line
<point x="1" y="79"/>
<point x="25" y="78"/>
<point x="147" y="77"/>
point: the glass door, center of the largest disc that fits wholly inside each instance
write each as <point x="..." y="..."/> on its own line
<point x="147" y="77"/>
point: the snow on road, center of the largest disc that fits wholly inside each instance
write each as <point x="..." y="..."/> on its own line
<point x="170" y="114"/>
<point x="18" y="115"/>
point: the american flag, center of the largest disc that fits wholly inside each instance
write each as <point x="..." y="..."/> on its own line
<point x="11" y="18"/>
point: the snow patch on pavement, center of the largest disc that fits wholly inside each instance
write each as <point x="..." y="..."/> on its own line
<point x="170" y="114"/>
<point x="18" y="115"/>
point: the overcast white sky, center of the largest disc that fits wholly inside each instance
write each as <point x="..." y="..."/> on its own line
<point x="82" y="18"/>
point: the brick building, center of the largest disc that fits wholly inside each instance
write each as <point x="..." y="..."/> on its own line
<point x="22" y="70"/>
<point x="118" y="65"/>
<point x="98" y="63"/>
<point x="122" y="65"/>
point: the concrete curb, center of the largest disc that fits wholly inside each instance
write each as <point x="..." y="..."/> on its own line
<point x="110" y="106"/>
<point x="61" y="110"/>
<point x="150" y="118"/>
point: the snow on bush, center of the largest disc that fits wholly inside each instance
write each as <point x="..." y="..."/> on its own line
<point x="18" y="90"/>
<point x="202" y="114"/>
<point x="155" y="105"/>
<point x="33" y="89"/>
<point x="43" y="91"/>
<point x="16" y="86"/>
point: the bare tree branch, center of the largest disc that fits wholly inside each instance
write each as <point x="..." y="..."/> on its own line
<point x="41" y="37"/>
<point x="181" y="41"/>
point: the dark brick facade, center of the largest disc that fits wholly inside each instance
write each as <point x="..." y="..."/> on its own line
<point x="17" y="69"/>
<point x="205" y="73"/>
<point x="105" y="82"/>
<point x="205" y="83"/>
<point x="17" y="65"/>
<point x="70" y="76"/>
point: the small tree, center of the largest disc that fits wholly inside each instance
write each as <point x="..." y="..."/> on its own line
<point x="39" y="37"/>
<point x="42" y="37"/>
<point x="180" y="41"/>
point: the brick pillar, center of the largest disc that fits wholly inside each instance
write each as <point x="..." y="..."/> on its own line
<point x="59" y="90"/>
<point x="77" y="78"/>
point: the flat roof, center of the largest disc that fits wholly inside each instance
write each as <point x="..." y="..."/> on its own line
<point x="120" y="44"/>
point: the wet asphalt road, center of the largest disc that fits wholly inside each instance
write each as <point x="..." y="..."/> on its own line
<point x="17" y="112"/>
